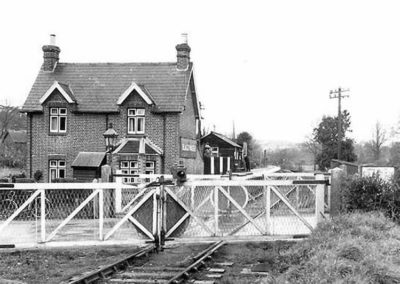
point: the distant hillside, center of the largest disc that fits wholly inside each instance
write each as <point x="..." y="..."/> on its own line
<point x="277" y="144"/>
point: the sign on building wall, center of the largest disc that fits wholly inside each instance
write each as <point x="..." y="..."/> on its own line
<point x="188" y="148"/>
<point x="386" y="173"/>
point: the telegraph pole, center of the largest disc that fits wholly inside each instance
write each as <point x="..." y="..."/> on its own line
<point x="338" y="94"/>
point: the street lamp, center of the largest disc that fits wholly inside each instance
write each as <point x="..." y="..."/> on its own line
<point x="110" y="137"/>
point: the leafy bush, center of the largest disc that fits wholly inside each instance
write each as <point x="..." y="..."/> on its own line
<point x="38" y="175"/>
<point x="372" y="194"/>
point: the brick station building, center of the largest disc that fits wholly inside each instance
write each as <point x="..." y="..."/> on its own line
<point x="153" y="107"/>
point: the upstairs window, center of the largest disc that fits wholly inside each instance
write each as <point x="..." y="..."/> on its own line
<point x="136" y="121"/>
<point x="56" y="169"/>
<point x="58" y="120"/>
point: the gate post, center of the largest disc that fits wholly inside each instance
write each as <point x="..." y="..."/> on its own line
<point x="216" y="209"/>
<point x="267" y="192"/>
<point x="118" y="192"/>
<point x="319" y="199"/>
<point x="163" y="221"/>
<point x="42" y="215"/>
<point x="337" y="175"/>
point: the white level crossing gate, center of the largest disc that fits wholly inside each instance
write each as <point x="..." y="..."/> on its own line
<point x="116" y="213"/>
<point x="233" y="208"/>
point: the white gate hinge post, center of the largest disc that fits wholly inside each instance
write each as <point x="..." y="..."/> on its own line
<point x="42" y="215"/>
<point x="319" y="199"/>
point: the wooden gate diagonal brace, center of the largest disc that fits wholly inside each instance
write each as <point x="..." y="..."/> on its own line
<point x="141" y="227"/>
<point x="19" y="210"/>
<point x="286" y="201"/>
<point x="72" y="215"/>
<point x="127" y="215"/>
<point x="183" y="205"/>
<point x="286" y="194"/>
<point x="177" y="224"/>
<point x="143" y="191"/>
<point x="241" y="226"/>
<point x="248" y="217"/>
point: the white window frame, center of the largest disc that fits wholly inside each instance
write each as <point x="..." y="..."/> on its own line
<point x="150" y="170"/>
<point x="57" y="166"/>
<point x="135" y="115"/>
<point x="57" y="113"/>
<point x="215" y="151"/>
<point x="130" y="168"/>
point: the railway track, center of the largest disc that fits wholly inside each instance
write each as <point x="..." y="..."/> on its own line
<point x="173" y="265"/>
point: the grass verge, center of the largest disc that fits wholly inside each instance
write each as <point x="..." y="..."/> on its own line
<point x="353" y="248"/>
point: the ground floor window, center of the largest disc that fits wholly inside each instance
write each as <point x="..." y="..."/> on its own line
<point x="150" y="167"/>
<point x="57" y="169"/>
<point x="130" y="168"/>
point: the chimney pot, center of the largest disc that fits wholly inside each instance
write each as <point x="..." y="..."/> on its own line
<point x="184" y="38"/>
<point x="183" y="54"/>
<point x="51" y="54"/>
<point x="52" y="39"/>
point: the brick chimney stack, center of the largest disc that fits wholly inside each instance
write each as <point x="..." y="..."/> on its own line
<point x="183" y="54"/>
<point x="51" y="54"/>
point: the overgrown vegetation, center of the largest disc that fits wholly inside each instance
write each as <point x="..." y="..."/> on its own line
<point x="11" y="154"/>
<point x="352" y="248"/>
<point x="373" y="194"/>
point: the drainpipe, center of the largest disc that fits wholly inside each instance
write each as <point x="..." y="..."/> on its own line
<point x="164" y="143"/>
<point x="30" y="144"/>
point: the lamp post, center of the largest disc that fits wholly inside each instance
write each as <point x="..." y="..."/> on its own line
<point x="110" y="137"/>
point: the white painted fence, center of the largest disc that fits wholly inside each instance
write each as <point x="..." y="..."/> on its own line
<point x="95" y="213"/>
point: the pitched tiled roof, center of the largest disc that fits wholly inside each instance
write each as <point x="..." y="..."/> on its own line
<point x="138" y="145"/>
<point x="97" y="86"/>
<point x="89" y="159"/>
<point x="67" y="89"/>
<point x="224" y="138"/>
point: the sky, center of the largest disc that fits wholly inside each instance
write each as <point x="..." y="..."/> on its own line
<point x="266" y="65"/>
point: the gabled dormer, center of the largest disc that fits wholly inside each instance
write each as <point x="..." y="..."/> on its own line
<point x="58" y="101"/>
<point x="135" y="103"/>
<point x="62" y="89"/>
<point x="139" y="90"/>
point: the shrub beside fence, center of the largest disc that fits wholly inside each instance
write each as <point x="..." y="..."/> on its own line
<point x="365" y="194"/>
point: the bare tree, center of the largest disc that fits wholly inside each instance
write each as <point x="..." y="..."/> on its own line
<point x="10" y="118"/>
<point x="377" y="141"/>
<point x="313" y="147"/>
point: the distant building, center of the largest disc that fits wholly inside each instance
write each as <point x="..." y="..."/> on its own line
<point x="17" y="137"/>
<point x="221" y="154"/>
<point x="152" y="106"/>
<point x="14" y="148"/>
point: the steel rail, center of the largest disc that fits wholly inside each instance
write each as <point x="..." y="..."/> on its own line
<point x="199" y="261"/>
<point x="107" y="270"/>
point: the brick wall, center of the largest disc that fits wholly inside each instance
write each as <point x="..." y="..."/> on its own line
<point x="85" y="134"/>
<point x="188" y="130"/>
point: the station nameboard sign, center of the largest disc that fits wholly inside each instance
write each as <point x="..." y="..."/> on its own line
<point x="386" y="173"/>
<point x="188" y="148"/>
